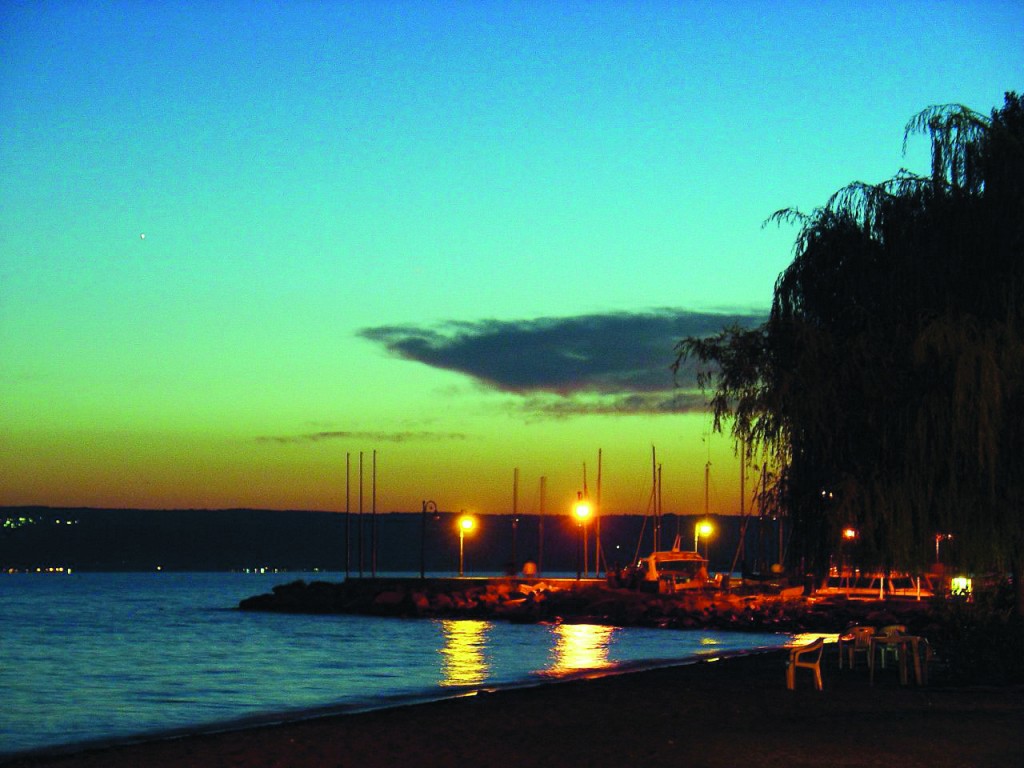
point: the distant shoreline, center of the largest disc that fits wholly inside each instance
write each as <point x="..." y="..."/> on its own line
<point x="306" y="541"/>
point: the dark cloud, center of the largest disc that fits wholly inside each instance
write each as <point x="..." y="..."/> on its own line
<point x="383" y="437"/>
<point x="556" y="406"/>
<point x="602" y="363"/>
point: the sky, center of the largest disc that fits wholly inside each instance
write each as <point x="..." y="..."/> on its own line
<point x="243" y="244"/>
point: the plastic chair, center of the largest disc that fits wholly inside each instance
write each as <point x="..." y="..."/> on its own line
<point x="891" y="650"/>
<point x="856" y="640"/>
<point x="806" y="656"/>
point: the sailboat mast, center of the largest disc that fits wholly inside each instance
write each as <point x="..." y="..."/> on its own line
<point x="741" y="546"/>
<point x="743" y="501"/>
<point x="654" y="499"/>
<point x="373" y="518"/>
<point x="707" y="475"/>
<point x="583" y="529"/>
<point x="515" y="518"/>
<point x="597" y="515"/>
<point x="660" y="508"/>
<point x="540" y="527"/>
<point x="348" y="515"/>
<point x="360" y="514"/>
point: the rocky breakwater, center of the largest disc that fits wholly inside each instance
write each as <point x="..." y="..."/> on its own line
<point x="539" y="601"/>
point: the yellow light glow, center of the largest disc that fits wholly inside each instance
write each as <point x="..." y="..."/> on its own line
<point x="849" y="533"/>
<point x="705" y="529"/>
<point x="960" y="585"/>
<point x="582" y="510"/>
<point x="464" y="661"/>
<point x="803" y="638"/>
<point x="467" y="523"/>
<point x="580" y="647"/>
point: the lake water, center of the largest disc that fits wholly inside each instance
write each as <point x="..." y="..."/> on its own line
<point x="100" y="656"/>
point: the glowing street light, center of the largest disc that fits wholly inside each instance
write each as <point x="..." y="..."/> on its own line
<point x="466" y="524"/>
<point x="705" y="529"/>
<point x="582" y="512"/>
<point x="849" y="535"/>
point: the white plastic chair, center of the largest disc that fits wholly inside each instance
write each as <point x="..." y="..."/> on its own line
<point x="893" y="630"/>
<point x="808" y="657"/>
<point x="856" y="640"/>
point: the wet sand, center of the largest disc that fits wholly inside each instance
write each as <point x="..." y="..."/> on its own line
<point x="734" y="712"/>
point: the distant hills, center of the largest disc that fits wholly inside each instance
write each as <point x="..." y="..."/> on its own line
<point x="87" y="539"/>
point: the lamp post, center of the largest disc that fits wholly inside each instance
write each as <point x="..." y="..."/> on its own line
<point x="428" y="506"/>
<point x="705" y="529"/>
<point x="466" y="524"/>
<point x="849" y="536"/>
<point x="582" y="512"/>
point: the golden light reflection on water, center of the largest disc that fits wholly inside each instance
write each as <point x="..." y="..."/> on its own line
<point x="579" y="647"/>
<point x="804" y="638"/>
<point x="463" y="657"/>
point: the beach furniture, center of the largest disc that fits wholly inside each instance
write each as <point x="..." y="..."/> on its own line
<point x="891" y="650"/>
<point x="926" y="655"/>
<point x="807" y="657"/>
<point x="857" y="639"/>
<point x="894" y="640"/>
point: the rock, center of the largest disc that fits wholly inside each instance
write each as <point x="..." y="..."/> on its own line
<point x="585" y="602"/>
<point x="420" y="602"/>
<point x="442" y="603"/>
<point x="391" y="598"/>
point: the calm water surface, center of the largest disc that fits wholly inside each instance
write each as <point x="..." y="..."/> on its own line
<point x="109" y="656"/>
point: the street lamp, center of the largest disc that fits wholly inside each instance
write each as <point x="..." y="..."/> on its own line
<point x="466" y="524"/>
<point x="705" y="529"/>
<point x="582" y="512"/>
<point x="428" y="506"/>
<point x="850" y="535"/>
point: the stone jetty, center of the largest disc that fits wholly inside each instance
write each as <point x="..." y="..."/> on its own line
<point x="583" y="601"/>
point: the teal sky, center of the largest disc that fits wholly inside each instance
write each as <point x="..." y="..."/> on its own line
<point x="432" y="230"/>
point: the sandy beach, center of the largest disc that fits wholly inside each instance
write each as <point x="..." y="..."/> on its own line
<point x="733" y="712"/>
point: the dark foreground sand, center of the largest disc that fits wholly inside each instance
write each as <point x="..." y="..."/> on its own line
<point x="735" y="712"/>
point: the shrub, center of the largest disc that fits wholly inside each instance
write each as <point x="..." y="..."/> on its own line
<point x="981" y="642"/>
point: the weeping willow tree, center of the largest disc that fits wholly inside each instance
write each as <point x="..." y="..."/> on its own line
<point x="887" y="385"/>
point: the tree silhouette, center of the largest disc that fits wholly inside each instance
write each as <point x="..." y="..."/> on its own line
<point x="887" y="385"/>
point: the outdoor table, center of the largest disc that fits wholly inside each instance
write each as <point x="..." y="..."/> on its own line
<point x="843" y="642"/>
<point x="905" y="645"/>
